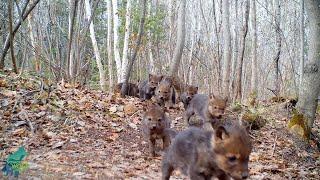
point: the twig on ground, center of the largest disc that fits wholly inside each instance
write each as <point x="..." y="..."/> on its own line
<point x="274" y="145"/>
<point x="27" y="119"/>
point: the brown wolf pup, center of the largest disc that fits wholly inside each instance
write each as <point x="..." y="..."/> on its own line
<point x="156" y="125"/>
<point x="176" y="84"/>
<point x="132" y="89"/>
<point x="207" y="109"/>
<point x="165" y="94"/>
<point x="203" y="155"/>
<point x="147" y="88"/>
<point x="188" y="95"/>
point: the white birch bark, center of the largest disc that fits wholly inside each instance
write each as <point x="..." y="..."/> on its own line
<point x="226" y="46"/>
<point x="116" y="42"/>
<point x="70" y="34"/>
<point x="254" y="48"/>
<point x="33" y="43"/>
<point x="109" y="43"/>
<point x="181" y="33"/>
<point x="301" y="41"/>
<point x="126" y="42"/>
<point x="95" y="47"/>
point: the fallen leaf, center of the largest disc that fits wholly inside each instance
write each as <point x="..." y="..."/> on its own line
<point x="81" y="123"/>
<point x="58" y="145"/>
<point x="78" y="174"/>
<point x="19" y="132"/>
<point x="113" y="137"/>
<point x="96" y="165"/>
<point x="129" y="109"/>
<point x="113" y="109"/>
<point x="8" y="93"/>
<point x="133" y="126"/>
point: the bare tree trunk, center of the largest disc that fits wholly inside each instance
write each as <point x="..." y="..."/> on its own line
<point x="124" y="87"/>
<point x="73" y="9"/>
<point x="116" y="42"/>
<point x="151" y="59"/>
<point x="181" y="33"/>
<point x="95" y="47"/>
<point x="218" y="82"/>
<point x="6" y="46"/>
<point x="171" y="15"/>
<point x="35" y="53"/>
<point x="254" y="73"/>
<point x="301" y="41"/>
<point x="310" y="86"/>
<point x="241" y="54"/>
<point x="124" y="65"/>
<point x="235" y="49"/>
<point x="10" y="6"/>
<point x="278" y="41"/>
<point x="226" y="46"/>
<point x="109" y="43"/>
<point x="190" y="72"/>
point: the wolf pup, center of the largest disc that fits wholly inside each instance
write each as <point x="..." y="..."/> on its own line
<point x="132" y="89"/>
<point x="156" y="125"/>
<point x="165" y="94"/>
<point x="147" y="88"/>
<point x="176" y="84"/>
<point x="208" y="109"/>
<point x="188" y="95"/>
<point x="203" y="155"/>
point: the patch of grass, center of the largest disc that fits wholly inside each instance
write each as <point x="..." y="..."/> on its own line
<point x="254" y="118"/>
<point x="298" y="126"/>
<point x="235" y="107"/>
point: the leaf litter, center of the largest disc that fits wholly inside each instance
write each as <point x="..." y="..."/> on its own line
<point x="88" y="134"/>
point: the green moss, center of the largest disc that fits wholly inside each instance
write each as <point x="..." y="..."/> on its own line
<point x="297" y="125"/>
<point x="254" y="119"/>
<point x="236" y="106"/>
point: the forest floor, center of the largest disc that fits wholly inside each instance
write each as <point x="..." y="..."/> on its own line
<point x="74" y="133"/>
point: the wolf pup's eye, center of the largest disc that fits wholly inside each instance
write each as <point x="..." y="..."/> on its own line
<point x="232" y="158"/>
<point x="159" y="120"/>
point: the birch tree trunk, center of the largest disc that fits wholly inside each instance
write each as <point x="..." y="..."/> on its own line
<point x="241" y="54"/>
<point x="301" y="41"/>
<point x="278" y="43"/>
<point x="310" y="86"/>
<point x="124" y="87"/>
<point x="109" y="43"/>
<point x="13" y="59"/>
<point x="151" y="59"/>
<point x="171" y="15"/>
<point x="218" y="82"/>
<point x="254" y="73"/>
<point x="95" y="47"/>
<point x="73" y="6"/>
<point x="181" y="33"/>
<point x="235" y="49"/>
<point x="226" y="46"/>
<point x="124" y="65"/>
<point x="190" y="72"/>
<point x="33" y="43"/>
<point x="116" y="50"/>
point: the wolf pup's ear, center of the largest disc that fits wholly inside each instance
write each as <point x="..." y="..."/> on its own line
<point x="212" y="96"/>
<point x="150" y="76"/>
<point x="221" y="133"/>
